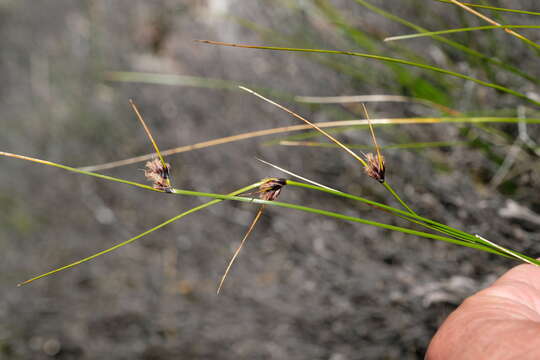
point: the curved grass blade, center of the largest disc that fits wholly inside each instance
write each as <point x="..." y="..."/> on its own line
<point x="452" y="31"/>
<point x="432" y="226"/>
<point x="124" y="243"/>
<point x="411" y="216"/>
<point x="72" y="169"/>
<point x="386" y="59"/>
<point x="357" y="219"/>
<point x="219" y="197"/>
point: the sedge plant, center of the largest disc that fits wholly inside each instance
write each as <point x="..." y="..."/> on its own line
<point x="270" y="188"/>
<point x="373" y="164"/>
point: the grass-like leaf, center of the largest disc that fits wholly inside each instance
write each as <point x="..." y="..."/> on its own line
<point x="452" y="31"/>
<point x="383" y="58"/>
<point x="79" y="171"/>
<point x="456" y="236"/>
<point x="454" y="44"/>
<point x="124" y="243"/>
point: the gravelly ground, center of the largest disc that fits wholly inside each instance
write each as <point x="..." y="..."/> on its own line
<point x="304" y="287"/>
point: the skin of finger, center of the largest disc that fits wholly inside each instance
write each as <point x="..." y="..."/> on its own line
<point x="500" y="322"/>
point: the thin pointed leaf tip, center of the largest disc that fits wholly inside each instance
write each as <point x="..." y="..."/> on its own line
<point x="158" y="173"/>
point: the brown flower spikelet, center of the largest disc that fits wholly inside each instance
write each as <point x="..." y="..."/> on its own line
<point x="158" y="175"/>
<point x="375" y="167"/>
<point x="271" y="188"/>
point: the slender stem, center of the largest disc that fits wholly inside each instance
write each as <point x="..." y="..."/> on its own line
<point x="406" y="214"/>
<point x="349" y="218"/>
<point x="219" y="197"/>
<point x="396" y="196"/>
<point x="72" y="169"/>
<point x="432" y="225"/>
<point x="383" y="58"/>
<point x="124" y="243"/>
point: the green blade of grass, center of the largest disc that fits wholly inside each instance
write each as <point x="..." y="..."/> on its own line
<point x="442" y="229"/>
<point x="493" y="8"/>
<point x="218" y="198"/>
<point x="79" y="171"/>
<point x="384" y="58"/>
<point x="397" y="197"/>
<point x="348" y="218"/>
<point x="124" y="243"/>
<point x="411" y="216"/>
<point x="433" y="225"/>
<point x="452" y="31"/>
<point x="449" y="42"/>
<point x="391" y="209"/>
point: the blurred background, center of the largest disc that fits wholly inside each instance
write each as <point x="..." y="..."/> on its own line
<point x="304" y="286"/>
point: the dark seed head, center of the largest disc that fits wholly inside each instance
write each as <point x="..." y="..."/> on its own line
<point x="158" y="175"/>
<point x="375" y="167"/>
<point x="271" y="188"/>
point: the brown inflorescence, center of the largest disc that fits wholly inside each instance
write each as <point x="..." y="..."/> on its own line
<point x="271" y="188"/>
<point x="158" y="175"/>
<point x="375" y="167"/>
